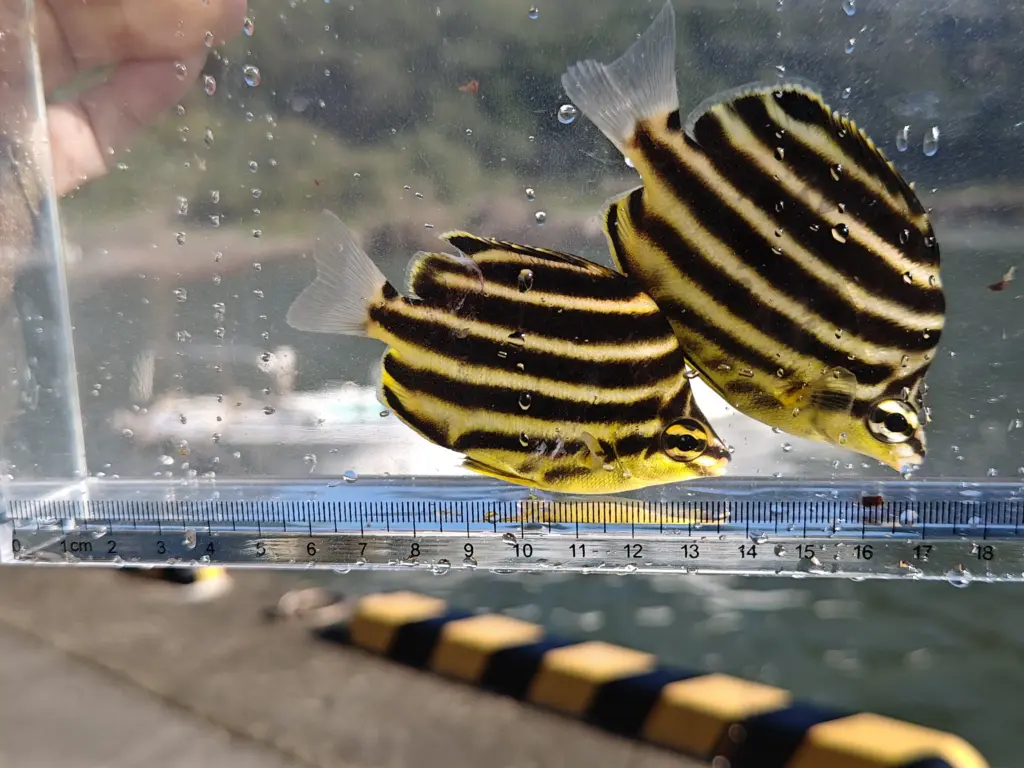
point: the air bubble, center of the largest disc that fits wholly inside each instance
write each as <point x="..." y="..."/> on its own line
<point x="540" y="217"/>
<point x="180" y="70"/>
<point x="836" y="169"/>
<point x="518" y="338"/>
<point x="567" y="114"/>
<point x="179" y="238"/>
<point x="253" y="166"/>
<point x="908" y="278"/>
<point x="209" y="85"/>
<point x="525" y="280"/>
<point x="849" y="7"/>
<point x="903" y="138"/>
<point x="252" y="75"/>
<point x="531" y="194"/>
<point x="533" y="13"/>
<point x="350" y="475"/>
<point x="181" y="295"/>
<point x="525" y="401"/>
<point x="787" y="447"/>
<point x="931" y="141"/>
<point x="840" y="232"/>
<point x="780" y="153"/>
<point x="850" y="44"/>
<point x="248" y="26"/>
<point x="845" y="94"/>
<point x="524" y="439"/>
<point x="904" y="236"/>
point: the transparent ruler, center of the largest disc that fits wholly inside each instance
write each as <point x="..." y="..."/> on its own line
<point x="954" y="531"/>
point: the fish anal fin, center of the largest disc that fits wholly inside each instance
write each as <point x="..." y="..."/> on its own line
<point x="483" y="468"/>
<point x="639" y="85"/>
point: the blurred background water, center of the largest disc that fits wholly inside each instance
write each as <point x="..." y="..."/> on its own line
<point x="408" y="119"/>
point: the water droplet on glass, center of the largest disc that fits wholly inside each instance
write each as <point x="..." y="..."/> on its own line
<point x="850" y="44"/>
<point x="903" y="138"/>
<point x="350" y="475"/>
<point x="525" y="400"/>
<point x="251" y="75"/>
<point x="525" y="280"/>
<point x="540" y="217"/>
<point x="533" y="13"/>
<point x="567" y="113"/>
<point x="836" y="170"/>
<point x="959" y="577"/>
<point x="209" y="85"/>
<point x="531" y="194"/>
<point x="180" y="70"/>
<point x="849" y="7"/>
<point x="248" y="26"/>
<point x="931" y="141"/>
<point x="840" y="232"/>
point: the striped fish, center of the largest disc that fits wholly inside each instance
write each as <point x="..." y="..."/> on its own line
<point x="797" y="267"/>
<point x="542" y="368"/>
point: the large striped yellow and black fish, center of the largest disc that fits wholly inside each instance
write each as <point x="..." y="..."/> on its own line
<point x="542" y="368"/>
<point x="798" y="268"/>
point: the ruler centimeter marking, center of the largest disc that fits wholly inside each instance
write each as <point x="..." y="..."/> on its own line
<point x="958" y="540"/>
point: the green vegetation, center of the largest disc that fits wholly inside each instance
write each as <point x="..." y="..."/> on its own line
<point x="356" y="101"/>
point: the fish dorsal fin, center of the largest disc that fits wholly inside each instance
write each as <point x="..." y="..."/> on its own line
<point x="425" y="275"/>
<point x="474" y="245"/>
<point x="794" y="112"/>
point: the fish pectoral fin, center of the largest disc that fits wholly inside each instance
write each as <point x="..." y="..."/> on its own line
<point x="831" y="400"/>
<point x="639" y="85"/>
<point x="508" y="475"/>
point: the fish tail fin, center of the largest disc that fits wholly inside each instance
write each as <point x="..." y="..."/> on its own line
<point x="347" y="284"/>
<point x="637" y="86"/>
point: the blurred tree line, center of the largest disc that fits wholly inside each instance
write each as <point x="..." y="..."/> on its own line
<point x="457" y="99"/>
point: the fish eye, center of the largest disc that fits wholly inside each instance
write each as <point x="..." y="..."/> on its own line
<point x="893" y="421"/>
<point x="684" y="439"/>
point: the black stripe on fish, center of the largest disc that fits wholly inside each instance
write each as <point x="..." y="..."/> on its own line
<point x="860" y="200"/>
<point x="735" y="299"/>
<point x="852" y="260"/>
<point x="507" y="400"/>
<point x="787" y="276"/>
<point x="437" y="338"/>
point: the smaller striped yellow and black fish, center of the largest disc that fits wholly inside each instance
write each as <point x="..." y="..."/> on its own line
<point x="542" y="368"/>
<point x="798" y="268"/>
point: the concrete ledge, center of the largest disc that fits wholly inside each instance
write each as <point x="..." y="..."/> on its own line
<point x="710" y="717"/>
<point x="265" y="694"/>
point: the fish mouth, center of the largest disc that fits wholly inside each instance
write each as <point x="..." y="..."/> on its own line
<point x="714" y="461"/>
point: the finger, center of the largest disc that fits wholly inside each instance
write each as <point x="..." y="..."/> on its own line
<point x="76" y="36"/>
<point x="85" y="134"/>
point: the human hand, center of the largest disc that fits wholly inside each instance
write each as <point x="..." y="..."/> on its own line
<point x="148" y="42"/>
